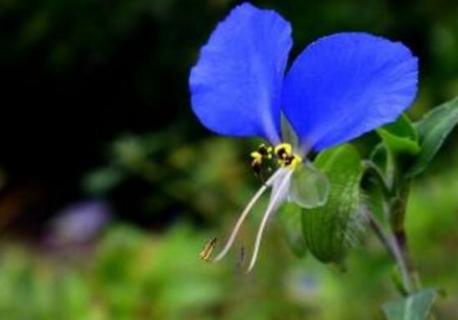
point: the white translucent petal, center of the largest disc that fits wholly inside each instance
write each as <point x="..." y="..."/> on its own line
<point x="309" y="187"/>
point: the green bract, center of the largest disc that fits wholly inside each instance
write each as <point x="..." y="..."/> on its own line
<point x="400" y="136"/>
<point x="331" y="229"/>
<point x="290" y="221"/>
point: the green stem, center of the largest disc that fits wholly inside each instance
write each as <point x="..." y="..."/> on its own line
<point x="391" y="245"/>
<point x="397" y="221"/>
<point x="394" y="241"/>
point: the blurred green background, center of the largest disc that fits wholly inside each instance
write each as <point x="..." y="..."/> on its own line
<point x="109" y="187"/>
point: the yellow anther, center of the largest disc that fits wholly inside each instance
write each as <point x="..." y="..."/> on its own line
<point x="286" y="157"/>
<point x="282" y="152"/>
<point x="207" y="251"/>
<point x="295" y="161"/>
<point x="283" y="149"/>
<point x="256" y="155"/>
<point x="265" y="151"/>
<point x="269" y="152"/>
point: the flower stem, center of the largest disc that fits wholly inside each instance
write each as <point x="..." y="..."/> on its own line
<point x="396" y="193"/>
<point x="397" y="222"/>
<point x="392" y="246"/>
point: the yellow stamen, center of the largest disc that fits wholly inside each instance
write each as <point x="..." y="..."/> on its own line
<point x="268" y="151"/>
<point x="283" y="149"/>
<point x="285" y="156"/>
<point x="295" y="161"/>
<point x="256" y="155"/>
<point x="206" y="252"/>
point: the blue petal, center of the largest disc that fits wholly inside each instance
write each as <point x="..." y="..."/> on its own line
<point x="346" y="84"/>
<point x="236" y="84"/>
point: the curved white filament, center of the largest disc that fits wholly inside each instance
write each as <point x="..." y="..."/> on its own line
<point x="245" y="213"/>
<point x="276" y="199"/>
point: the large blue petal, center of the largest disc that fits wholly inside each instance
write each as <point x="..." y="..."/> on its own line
<point x="346" y="84"/>
<point x="236" y="84"/>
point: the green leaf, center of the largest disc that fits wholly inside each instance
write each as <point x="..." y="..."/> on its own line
<point x="415" y="307"/>
<point x="290" y="221"/>
<point x="433" y="129"/>
<point x="103" y="180"/>
<point x="400" y="137"/>
<point x="331" y="229"/>
<point x="309" y="187"/>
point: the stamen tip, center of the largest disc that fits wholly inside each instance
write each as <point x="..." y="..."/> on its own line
<point x="207" y="250"/>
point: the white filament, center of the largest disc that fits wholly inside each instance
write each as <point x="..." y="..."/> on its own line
<point x="245" y="213"/>
<point x="275" y="201"/>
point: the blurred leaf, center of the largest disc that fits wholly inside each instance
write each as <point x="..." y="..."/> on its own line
<point x="290" y="220"/>
<point x="400" y="137"/>
<point x="396" y="278"/>
<point x="309" y="187"/>
<point x="103" y="180"/>
<point x="331" y="229"/>
<point x="433" y="129"/>
<point x="415" y="307"/>
<point x="163" y="276"/>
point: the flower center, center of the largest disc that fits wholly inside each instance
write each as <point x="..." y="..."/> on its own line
<point x="283" y="153"/>
<point x="285" y="162"/>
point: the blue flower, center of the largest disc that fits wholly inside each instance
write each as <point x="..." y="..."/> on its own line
<point x="340" y="87"/>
